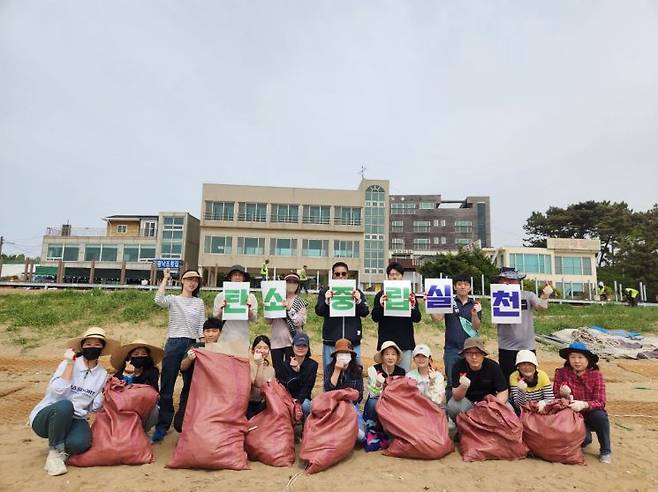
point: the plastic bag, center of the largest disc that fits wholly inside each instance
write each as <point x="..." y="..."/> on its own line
<point x="117" y="436"/>
<point x="419" y="428"/>
<point x="271" y="437"/>
<point x="330" y="430"/>
<point x="556" y="434"/>
<point x="490" y="431"/>
<point x="215" y="420"/>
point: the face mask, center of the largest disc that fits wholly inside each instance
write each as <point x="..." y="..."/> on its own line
<point x="344" y="358"/>
<point x="92" y="353"/>
<point x="141" y="361"/>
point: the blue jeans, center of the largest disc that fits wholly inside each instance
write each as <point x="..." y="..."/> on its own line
<point x="450" y="358"/>
<point x="369" y="409"/>
<point x="56" y="423"/>
<point x="327" y="350"/>
<point x="306" y="407"/>
<point x="174" y="353"/>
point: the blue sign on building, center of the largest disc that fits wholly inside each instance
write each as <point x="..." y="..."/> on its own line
<point x="162" y="263"/>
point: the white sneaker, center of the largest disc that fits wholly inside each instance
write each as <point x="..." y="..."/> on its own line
<point x="55" y="463"/>
<point x="606" y="458"/>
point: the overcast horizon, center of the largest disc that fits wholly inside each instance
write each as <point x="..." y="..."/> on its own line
<point x="129" y="107"/>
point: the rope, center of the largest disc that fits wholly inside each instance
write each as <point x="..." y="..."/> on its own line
<point x="293" y="479"/>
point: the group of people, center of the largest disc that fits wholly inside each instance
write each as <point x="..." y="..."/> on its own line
<point x="76" y="388"/>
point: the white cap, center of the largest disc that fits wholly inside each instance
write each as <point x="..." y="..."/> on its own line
<point x="422" y="349"/>
<point x="526" y="356"/>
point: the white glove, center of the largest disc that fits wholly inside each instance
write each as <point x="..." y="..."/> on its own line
<point x="328" y="295"/>
<point x="547" y="290"/>
<point x="522" y="385"/>
<point x="541" y="406"/>
<point x="191" y="354"/>
<point x="258" y="357"/>
<point x="69" y="355"/>
<point x="565" y="391"/>
<point x="578" y="405"/>
<point x="380" y="378"/>
<point x="464" y="381"/>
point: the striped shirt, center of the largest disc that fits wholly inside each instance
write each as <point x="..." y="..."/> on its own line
<point x="543" y="390"/>
<point x="186" y="315"/>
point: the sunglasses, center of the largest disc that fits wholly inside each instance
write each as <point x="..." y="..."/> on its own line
<point x="340" y="274"/>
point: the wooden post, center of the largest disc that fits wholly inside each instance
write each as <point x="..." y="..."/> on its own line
<point x="215" y="279"/>
<point x="31" y="270"/>
<point x="92" y="272"/>
<point x="60" y="271"/>
<point x="154" y="277"/>
<point x="122" y="279"/>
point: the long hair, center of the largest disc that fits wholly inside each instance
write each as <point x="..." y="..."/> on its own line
<point x="195" y="293"/>
<point x="145" y="370"/>
<point x="353" y="369"/>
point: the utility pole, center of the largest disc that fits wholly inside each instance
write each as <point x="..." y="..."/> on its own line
<point x="362" y="172"/>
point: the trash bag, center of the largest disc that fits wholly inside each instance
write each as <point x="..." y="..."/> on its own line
<point x="419" y="428"/>
<point x="490" y="431"/>
<point x="117" y="436"/>
<point x="556" y="434"/>
<point x="215" y="420"/>
<point x="271" y="437"/>
<point x="330" y="430"/>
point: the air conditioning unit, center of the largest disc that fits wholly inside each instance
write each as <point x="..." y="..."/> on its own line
<point x="66" y="230"/>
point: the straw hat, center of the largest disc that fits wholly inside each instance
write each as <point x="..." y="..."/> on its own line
<point x="119" y="355"/>
<point x="387" y="344"/>
<point x="94" y="332"/>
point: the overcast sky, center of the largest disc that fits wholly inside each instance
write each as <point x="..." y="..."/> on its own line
<point x="129" y="106"/>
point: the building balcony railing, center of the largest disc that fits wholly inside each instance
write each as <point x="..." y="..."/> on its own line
<point x="284" y="219"/>
<point x="252" y="218"/>
<point x="348" y="222"/>
<point x="316" y="220"/>
<point x="213" y="216"/>
<point x="66" y="231"/>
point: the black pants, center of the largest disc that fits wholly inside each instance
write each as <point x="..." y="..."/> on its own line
<point x="597" y="421"/>
<point x="507" y="361"/>
<point x="174" y="353"/>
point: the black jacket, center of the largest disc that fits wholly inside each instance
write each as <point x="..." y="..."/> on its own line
<point x="342" y="327"/>
<point x="398" y="330"/>
<point x="299" y="384"/>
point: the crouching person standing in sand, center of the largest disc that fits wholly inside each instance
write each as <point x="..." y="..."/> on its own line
<point x="74" y="391"/>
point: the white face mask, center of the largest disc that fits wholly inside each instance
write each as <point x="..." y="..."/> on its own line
<point x="343" y="358"/>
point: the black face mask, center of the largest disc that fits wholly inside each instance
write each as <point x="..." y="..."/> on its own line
<point x="141" y="362"/>
<point x="92" y="353"/>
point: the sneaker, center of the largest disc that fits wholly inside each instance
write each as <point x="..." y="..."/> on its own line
<point x="606" y="458"/>
<point x="54" y="463"/>
<point x="158" y="435"/>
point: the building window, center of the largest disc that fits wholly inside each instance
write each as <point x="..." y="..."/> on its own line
<point x="462" y="242"/>
<point x="427" y="206"/>
<point x="375" y="194"/>
<point x="530" y="263"/>
<point x="253" y="246"/>
<point x="397" y="243"/>
<point x="570" y="289"/>
<point x="66" y="252"/>
<point x="55" y="252"/>
<point x="436" y="222"/>
<point x="421" y="244"/>
<point x="137" y="252"/>
<point x="172" y="237"/>
<point x="346" y="249"/>
<point x="421" y="226"/>
<point x="122" y="229"/>
<point x="347" y="216"/>
<point x="435" y="240"/>
<point x="463" y="226"/>
<point x="573" y="265"/>
<point x="397" y="226"/>
<point x="443" y="222"/>
<point x="101" y="252"/>
<point x="444" y="240"/>
<point x="252" y="212"/>
<point x="283" y="247"/>
<point x="218" y="245"/>
<point x="315" y="247"/>
<point x="374" y="247"/>
<point x="219" y="211"/>
<point x="403" y="208"/>
<point x="285" y="213"/>
<point x="482" y="223"/>
<point x="316" y="214"/>
<point x="148" y="228"/>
